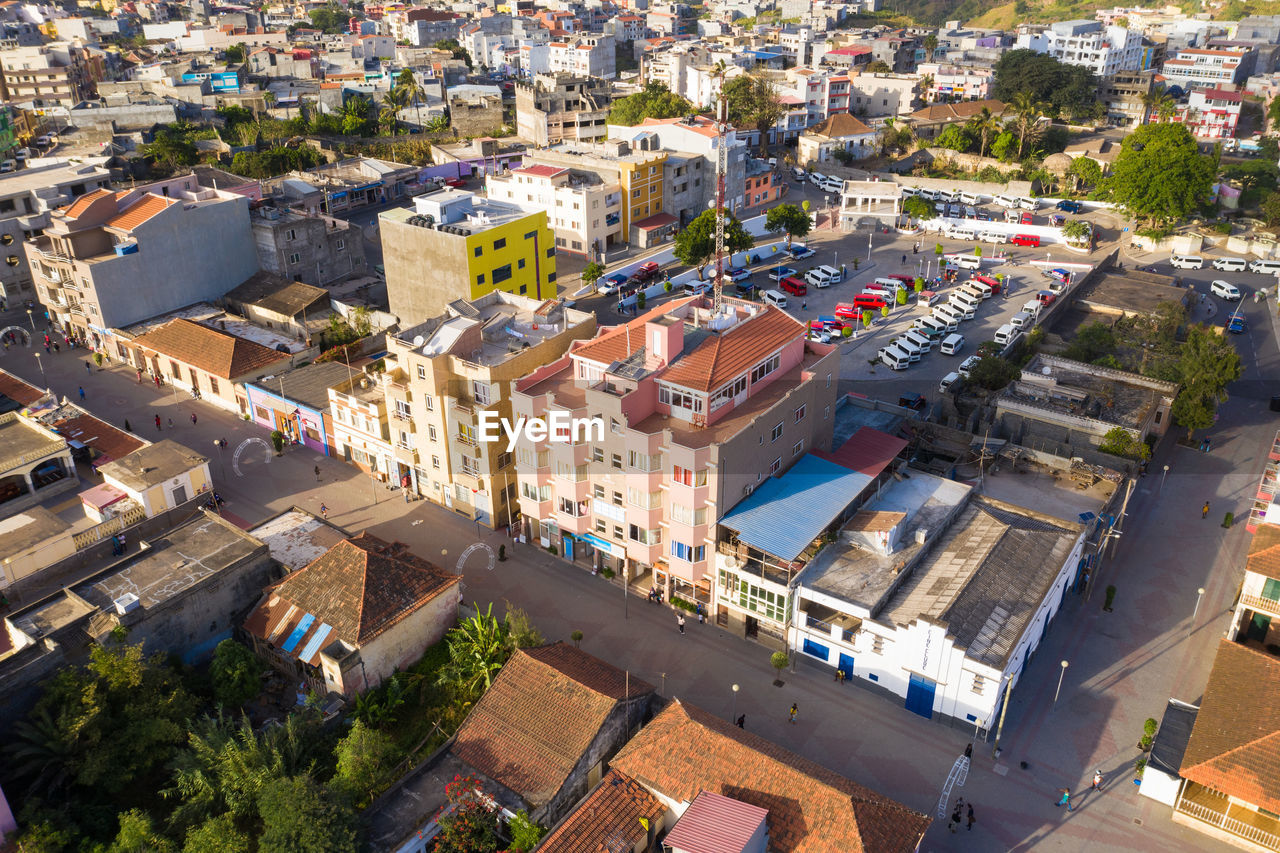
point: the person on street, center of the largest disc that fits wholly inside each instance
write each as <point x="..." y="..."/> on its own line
<point x="1097" y="780"/>
<point x="680" y="622"/>
<point x="971" y="818"/>
<point x="795" y="710"/>
<point x="317" y="470"/>
<point x="742" y="721"/>
<point x="88" y="368"/>
<point x="1204" y="511"/>
<point x="1066" y="799"/>
<point x="81" y="393"/>
<point x="158" y="427"/>
<point x="324" y="511"/>
<point x="193" y="418"/>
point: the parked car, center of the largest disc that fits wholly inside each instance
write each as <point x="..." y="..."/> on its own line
<point x="1224" y="290"/>
<point x="822" y="336"/>
<point x="611" y="285"/>
<point x="646" y="271"/>
<point x="1026" y="219"/>
<point x="913" y="401"/>
<point x="1067" y="206"/>
<point x="1236" y="325"/>
<point x="966" y="366"/>
<point x="455" y="183"/>
<point x="1046" y="297"/>
<point x="697" y="288"/>
<point x="799" y="252"/>
<point x="794" y="286"/>
<point x="1057" y="220"/>
<point x="738" y="274"/>
<point x="779" y="273"/>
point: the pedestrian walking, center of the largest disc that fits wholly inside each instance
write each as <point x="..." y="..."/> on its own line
<point x="968" y="752"/>
<point x="56" y="348"/>
<point x="971" y="818"/>
<point x="1204" y="511"/>
<point x="123" y="546"/>
<point x="1097" y="780"/>
<point x="742" y="721"/>
<point x="1066" y="799"/>
<point x="795" y="710"/>
<point x="955" y="818"/>
<point x="81" y="393"/>
<point x="324" y="511"/>
<point x="158" y="427"/>
<point x="46" y="349"/>
<point x="88" y="368"/>
<point x="139" y="376"/>
<point x="170" y="423"/>
<point x="839" y="676"/>
<point x="317" y="470"/>
<point x="1206" y="444"/>
<point x="156" y="377"/>
<point x="680" y="622"/>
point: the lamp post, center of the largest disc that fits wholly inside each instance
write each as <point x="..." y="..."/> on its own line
<point x="221" y="444"/>
<point x="43" y="379"/>
<point x="1163" y="476"/>
<point x="1199" y="595"/>
<point x="31" y="319"/>
<point x="734" y="715"/>
<point x="1061" y="675"/>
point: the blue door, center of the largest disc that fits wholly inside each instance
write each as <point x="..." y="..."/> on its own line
<point x="920" y="696"/>
<point x="846" y="666"/>
<point x="568" y="548"/>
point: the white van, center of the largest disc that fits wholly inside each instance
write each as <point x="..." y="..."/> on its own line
<point x="978" y="289"/>
<point x="1225" y="290"/>
<point x="1186" y="262"/>
<point x="1029" y="203"/>
<point x="7" y="165"/>
<point x="1021" y="320"/>
<point x="968" y="301"/>
<point x="1230" y="264"/>
<point x="776" y="298"/>
<point x="968" y="262"/>
<point x="833" y="275"/>
<point x="931" y="327"/>
<point x="950" y="320"/>
<point x="894" y="358"/>
<point x="890" y="284"/>
<point x="923" y="341"/>
<point x="993" y="237"/>
<point x="952" y="344"/>
<point x="963" y="234"/>
<point x="971" y="198"/>
<point x="1265" y="267"/>
<point x="948" y="382"/>
<point x="799" y="174"/>
<point x="913" y="351"/>
<point x="833" y="185"/>
<point x="1005" y="201"/>
<point x="930" y="195"/>
<point x="1032" y="307"/>
<point x="1006" y="334"/>
<point x="817" y="277"/>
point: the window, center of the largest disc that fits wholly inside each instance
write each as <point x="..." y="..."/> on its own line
<point x="643" y="499"/>
<point x="597" y="454"/>
<point x="480" y="391"/>
<point x="213" y="385"/>
<point x="569" y="507"/>
<point x="531" y="235"/>
<point x="551" y="251"/>
<point x="678" y="399"/>
<point x="1271" y="590"/>
<point x="402" y="410"/>
<point x="777" y="432"/>
<point x="429" y="403"/>
<point x="877" y="644"/>
<point x="598" y="491"/>
<point x="688" y="553"/>
<point x="431" y="432"/>
<point x="520" y="264"/>
<point x="645" y="537"/>
<point x="800" y="414"/>
<point x="978" y="684"/>
<point x="616" y="461"/>
<point x="688" y="515"/>
<point x="764" y="368"/>
<point x="728" y="392"/>
<point x="340" y="245"/>
<point x="601" y="525"/>
<point x="479" y="250"/>
<point x="294" y="258"/>
<point x="617" y="498"/>
<point x="617" y="532"/>
<point x="480" y="278"/>
<point x="291" y="234"/>
<point x="435" y="462"/>
<point x="797" y="448"/>
<point x="775" y="466"/>
<point x="500" y="243"/>
<point x="826" y="412"/>
<point x="262" y="414"/>
<point x="644" y="461"/>
<point x="502" y="273"/>
<point x="471" y="466"/>
<point x="816" y="650"/>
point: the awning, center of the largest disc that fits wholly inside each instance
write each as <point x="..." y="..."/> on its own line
<point x="658" y="220"/>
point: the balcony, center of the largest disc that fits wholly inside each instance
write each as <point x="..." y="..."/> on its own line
<point x="1205" y="804"/>
<point x="1262" y="605"/>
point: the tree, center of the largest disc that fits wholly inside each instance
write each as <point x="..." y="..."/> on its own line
<point x="789" y="218"/>
<point x="695" y="244"/>
<point x="470" y="826"/>
<point x="993" y="373"/>
<point x="521" y="632"/>
<point x="299" y="816"/>
<point x="1157" y="102"/>
<point x="137" y="835"/>
<point x="478" y="648"/>
<point x="918" y="208"/>
<point x="1003" y="148"/>
<point x="1160" y="175"/>
<point x="655" y="101"/>
<point x="365" y="759"/>
<point x="1207" y="364"/>
<point x="457" y="50"/>
<point x="525" y="834"/>
<point x="1091" y="342"/>
<point x="1065" y="88"/>
<point x="395" y="100"/>
<point x="1026" y="118"/>
<point x="984" y="126"/>
<point x="592" y="272"/>
<point x="1271" y="209"/>
<point x="752" y="101"/>
<point x="955" y="137"/>
<point x="1253" y="173"/>
<point x="1077" y="231"/>
<point x="1120" y="442"/>
<point x="235" y="673"/>
<point x="171" y="147"/>
<point x="1085" y="172"/>
<point x="235" y="54"/>
<point x="329" y="19"/>
<point x="216" y="835"/>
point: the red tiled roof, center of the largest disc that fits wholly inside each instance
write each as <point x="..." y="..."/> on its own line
<point x="610" y="815"/>
<point x="211" y="350"/>
<point x="21" y="392"/>
<point x="354" y="591"/>
<point x="82" y="204"/>
<point x="838" y="126"/>
<point x="1235" y="744"/>
<point x="541" y="171"/>
<point x="613" y="344"/>
<point x="1264" y="551"/>
<point x="139" y="212"/>
<point x="98" y="435"/>
<point x="724" y="356"/>
<point x="534" y="723"/>
<point x="714" y="823"/>
<point x="955" y="112"/>
<point x="685" y="751"/>
<point x="868" y="450"/>
<point x="658" y="220"/>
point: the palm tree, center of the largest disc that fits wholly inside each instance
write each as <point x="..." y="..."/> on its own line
<point x="43" y="752"/>
<point x="1158" y="102"/>
<point x="395" y="100"/>
<point x="1027" y="112"/>
<point x="478" y="648"/>
<point x="926" y="83"/>
<point x="985" y="125"/>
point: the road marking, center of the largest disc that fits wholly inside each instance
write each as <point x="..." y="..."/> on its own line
<point x="245" y="445"/>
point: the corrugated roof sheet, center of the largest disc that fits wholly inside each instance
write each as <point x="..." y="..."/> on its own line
<point x="868" y="450"/>
<point x="787" y="513"/>
<point x="714" y="823"/>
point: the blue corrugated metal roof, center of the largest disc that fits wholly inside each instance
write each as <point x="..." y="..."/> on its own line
<point x="787" y="513"/>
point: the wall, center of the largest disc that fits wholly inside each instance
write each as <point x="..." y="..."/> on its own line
<point x="325" y="253"/>
<point x="403" y="644"/>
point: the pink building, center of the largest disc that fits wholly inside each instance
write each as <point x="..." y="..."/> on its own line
<point x="700" y="407"/>
<point x="1211" y="113"/>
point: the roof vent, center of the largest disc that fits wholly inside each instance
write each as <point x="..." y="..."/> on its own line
<point x="127" y="603"/>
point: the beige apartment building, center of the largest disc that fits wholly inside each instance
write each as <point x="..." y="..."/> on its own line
<point x="451" y="369"/>
<point x="702" y="405"/>
<point x="584" y="210"/>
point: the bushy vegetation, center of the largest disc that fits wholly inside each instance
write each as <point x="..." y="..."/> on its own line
<point x="275" y="161"/>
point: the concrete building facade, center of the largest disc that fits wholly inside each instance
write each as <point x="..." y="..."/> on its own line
<point x="554" y="108"/>
<point x="584" y="211"/>
<point x="315" y="249"/>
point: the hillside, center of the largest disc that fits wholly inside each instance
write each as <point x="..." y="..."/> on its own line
<point x="1004" y="14"/>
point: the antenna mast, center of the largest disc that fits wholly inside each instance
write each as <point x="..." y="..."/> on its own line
<point x="722" y="166"/>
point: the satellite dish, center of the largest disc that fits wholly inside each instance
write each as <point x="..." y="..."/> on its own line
<point x="419" y="340"/>
<point x="731" y="562"/>
<point x="1046" y="370"/>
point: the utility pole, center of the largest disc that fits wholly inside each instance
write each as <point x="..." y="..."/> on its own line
<point x="722" y="166"/>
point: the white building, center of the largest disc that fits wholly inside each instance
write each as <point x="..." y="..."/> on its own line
<point x="1104" y="50"/>
<point x="883" y="94"/>
<point x="592" y="55"/>
<point x="841" y="132"/>
<point x="954" y="82"/>
<point x="584" y="211"/>
<point x="1197" y="68"/>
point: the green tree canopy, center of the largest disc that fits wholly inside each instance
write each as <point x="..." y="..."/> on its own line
<point x="365" y="759"/>
<point x="789" y="218"/>
<point x="956" y="137"/>
<point x="752" y="101"/>
<point x="457" y="50"/>
<point x="1085" y="172"/>
<point x="329" y="19"/>
<point x="236" y="674"/>
<point x="1271" y="208"/>
<point x="1092" y="341"/>
<point x="275" y="161"/>
<point x="216" y="835"/>
<point x="1120" y="442"/>
<point x="655" y="101"/>
<point x="696" y="242"/>
<point x="300" y="816"/>
<point x="1160" y="176"/>
<point x="1069" y="89"/>
<point x="1253" y="173"/>
<point x="993" y="373"/>
<point x="918" y="208"/>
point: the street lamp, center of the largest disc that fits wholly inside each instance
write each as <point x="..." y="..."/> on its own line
<point x="43" y="379"/>
<point x="1061" y="675"/>
<point x="31" y="319"/>
<point x="1199" y="595"/>
<point x="221" y="444"/>
<point x="734" y="716"/>
<point x="1163" y="476"/>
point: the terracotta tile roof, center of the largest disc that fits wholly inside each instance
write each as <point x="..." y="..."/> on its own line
<point x="145" y="208"/>
<point x="532" y="726"/>
<point x="608" y="819"/>
<point x="1235" y="744"/>
<point x="956" y="112"/>
<point x="21" y="392"/>
<point x="110" y="443"/>
<point x="220" y="353"/>
<point x="722" y="357"/>
<point x="612" y="344"/>
<point x="541" y="171"/>
<point x="839" y="125"/>
<point x="1264" y="551"/>
<point x="82" y="204"/>
<point x="685" y="751"/>
<point x="354" y="592"/>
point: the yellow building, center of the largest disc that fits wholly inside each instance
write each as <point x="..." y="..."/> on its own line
<point x="454" y="246"/>
<point x="641" y="178"/>
<point x="160" y="476"/>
